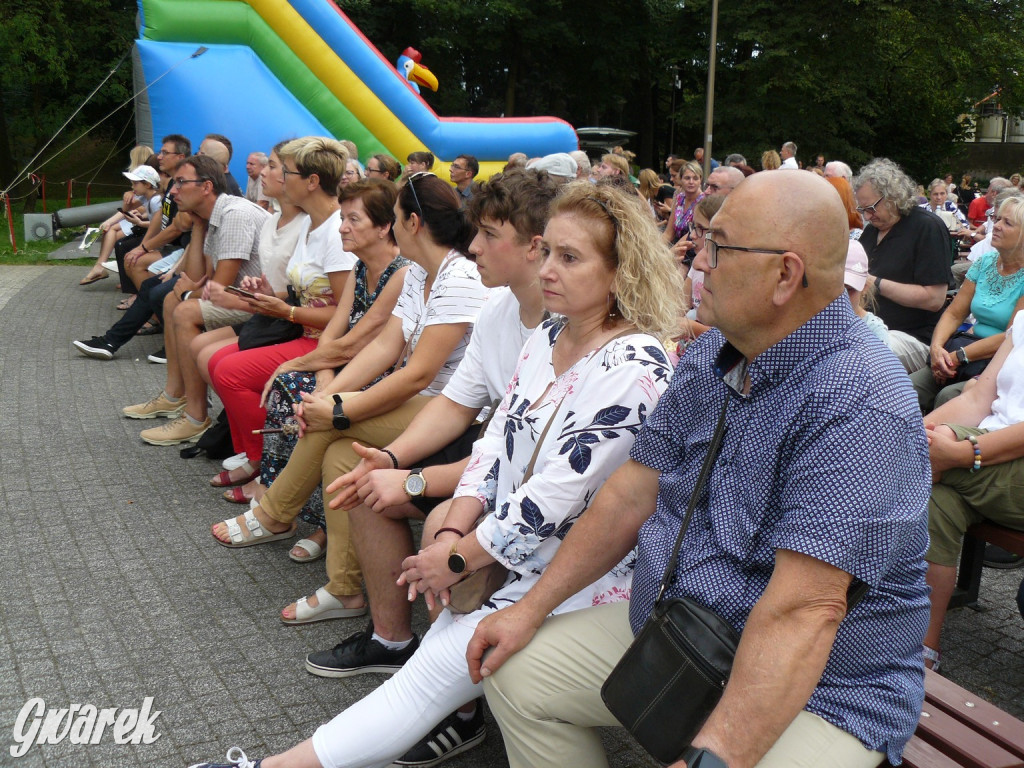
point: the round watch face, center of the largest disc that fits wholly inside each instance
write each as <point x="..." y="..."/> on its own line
<point x="456" y="563"/>
<point x="415" y="485"/>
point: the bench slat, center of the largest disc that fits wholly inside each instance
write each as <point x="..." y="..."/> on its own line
<point x="1007" y="538"/>
<point x="1000" y="727"/>
<point x="921" y="754"/>
<point x="963" y="743"/>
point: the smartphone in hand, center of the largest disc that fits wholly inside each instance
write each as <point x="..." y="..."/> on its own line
<point x="239" y="292"/>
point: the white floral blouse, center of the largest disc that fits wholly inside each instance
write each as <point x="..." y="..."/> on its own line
<point x="601" y="403"/>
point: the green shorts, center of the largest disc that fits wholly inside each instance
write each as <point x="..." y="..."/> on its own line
<point x="963" y="498"/>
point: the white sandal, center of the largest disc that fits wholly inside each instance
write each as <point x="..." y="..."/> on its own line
<point x="313" y="551"/>
<point x="257" y="534"/>
<point x="327" y="607"/>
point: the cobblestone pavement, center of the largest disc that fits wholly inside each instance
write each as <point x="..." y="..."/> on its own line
<point x="113" y="590"/>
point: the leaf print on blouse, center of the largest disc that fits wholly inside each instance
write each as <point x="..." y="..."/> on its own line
<point x="517" y="545"/>
<point x="579" y="440"/>
<point x="515" y="421"/>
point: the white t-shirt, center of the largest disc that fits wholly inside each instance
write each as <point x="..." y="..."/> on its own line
<point x="316" y="255"/>
<point x="277" y="245"/>
<point x="455" y="297"/>
<point x="486" y="369"/>
<point x="152" y="207"/>
<point x="1008" y="408"/>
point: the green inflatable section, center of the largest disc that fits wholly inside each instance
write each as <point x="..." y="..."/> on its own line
<point x="228" y="22"/>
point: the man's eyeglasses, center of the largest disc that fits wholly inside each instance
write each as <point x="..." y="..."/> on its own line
<point x="713" y="248"/>
<point x="862" y="209"/>
<point x="455" y="167"/>
<point x="165" y="152"/>
<point x="412" y="188"/>
<point x="179" y="182"/>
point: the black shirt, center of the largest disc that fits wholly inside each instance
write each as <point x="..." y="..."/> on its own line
<point x="916" y="251"/>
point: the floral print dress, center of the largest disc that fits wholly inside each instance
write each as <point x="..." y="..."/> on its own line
<point x="598" y="405"/>
<point x="288" y="388"/>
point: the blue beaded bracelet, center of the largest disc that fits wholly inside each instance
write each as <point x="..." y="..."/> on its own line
<point x="977" y="453"/>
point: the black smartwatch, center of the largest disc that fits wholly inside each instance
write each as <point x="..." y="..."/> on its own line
<point x="415" y="484"/>
<point x="340" y="421"/>
<point x="456" y="562"/>
<point x="961" y="356"/>
<point x="702" y="758"/>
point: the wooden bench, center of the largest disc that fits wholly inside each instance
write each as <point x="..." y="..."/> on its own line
<point x="961" y="730"/>
<point x="968" y="579"/>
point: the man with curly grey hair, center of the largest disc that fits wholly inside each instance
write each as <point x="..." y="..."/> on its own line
<point x="908" y="258"/>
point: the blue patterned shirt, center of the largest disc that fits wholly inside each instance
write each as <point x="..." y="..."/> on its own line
<point x="825" y="456"/>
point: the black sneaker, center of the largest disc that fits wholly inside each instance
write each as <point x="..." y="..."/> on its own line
<point x="160" y="358"/>
<point x="452" y="736"/>
<point x="237" y="758"/>
<point x="96" y="347"/>
<point x="359" y="654"/>
<point x="996" y="557"/>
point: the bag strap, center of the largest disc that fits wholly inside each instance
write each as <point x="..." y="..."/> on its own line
<point x="705" y="470"/>
<point x="540" y="440"/>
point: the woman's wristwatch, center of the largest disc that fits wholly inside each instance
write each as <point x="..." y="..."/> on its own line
<point x="339" y="420"/>
<point x="961" y="356"/>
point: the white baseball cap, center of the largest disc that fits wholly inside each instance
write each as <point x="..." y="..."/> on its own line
<point x="144" y="173"/>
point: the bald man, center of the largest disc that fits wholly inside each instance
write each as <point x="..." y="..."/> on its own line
<point x="723" y="180"/>
<point x="818" y="498"/>
<point x="221" y="152"/>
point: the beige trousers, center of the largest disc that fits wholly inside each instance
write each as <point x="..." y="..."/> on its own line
<point x="326" y="456"/>
<point x="547" y="699"/>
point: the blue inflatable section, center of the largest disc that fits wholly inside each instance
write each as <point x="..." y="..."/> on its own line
<point x="254" y="117"/>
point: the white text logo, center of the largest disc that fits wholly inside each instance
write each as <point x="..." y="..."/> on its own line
<point x="82" y="724"/>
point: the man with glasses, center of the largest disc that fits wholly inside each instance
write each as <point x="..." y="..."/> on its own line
<point x="463" y="170"/>
<point x="820" y="488"/>
<point x="224" y="249"/>
<point x="723" y="180"/>
<point x="908" y="258"/>
<point x="170" y="229"/>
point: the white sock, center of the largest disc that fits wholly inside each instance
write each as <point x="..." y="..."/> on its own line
<point x="392" y="645"/>
<point x="467" y="716"/>
<point x="172" y="399"/>
<point x="194" y="421"/>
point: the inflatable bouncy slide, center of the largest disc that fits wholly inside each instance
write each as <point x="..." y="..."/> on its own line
<point x="260" y="71"/>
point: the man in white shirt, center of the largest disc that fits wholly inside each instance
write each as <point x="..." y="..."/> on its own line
<point x="510" y="211"/>
<point x="788" y="153"/>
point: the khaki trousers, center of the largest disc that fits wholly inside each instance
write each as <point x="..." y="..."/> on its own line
<point x="325" y="456"/>
<point x="547" y="699"/>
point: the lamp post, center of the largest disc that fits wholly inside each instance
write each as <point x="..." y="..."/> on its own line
<point x="709" y="115"/>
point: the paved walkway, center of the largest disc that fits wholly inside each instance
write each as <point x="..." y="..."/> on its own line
<point x="113" y="590"/>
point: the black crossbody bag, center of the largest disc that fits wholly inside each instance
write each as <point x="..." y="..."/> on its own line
<point x="674" y="672"/>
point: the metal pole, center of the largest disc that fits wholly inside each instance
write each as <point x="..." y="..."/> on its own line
<point x="709" y="115"/>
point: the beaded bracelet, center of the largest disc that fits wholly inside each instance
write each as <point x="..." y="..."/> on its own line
<point x="977" y="452"/>
<point x="394" y="459"/>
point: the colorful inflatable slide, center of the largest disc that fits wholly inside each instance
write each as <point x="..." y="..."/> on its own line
<point x="278" y="69"/>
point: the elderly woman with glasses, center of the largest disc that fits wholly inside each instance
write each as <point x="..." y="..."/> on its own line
<point x="908" y="257"/>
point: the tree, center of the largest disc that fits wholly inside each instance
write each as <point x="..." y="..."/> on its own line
<point x="49" y="62"/>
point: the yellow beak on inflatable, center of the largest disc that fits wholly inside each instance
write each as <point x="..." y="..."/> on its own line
<point x="422" y="76"/>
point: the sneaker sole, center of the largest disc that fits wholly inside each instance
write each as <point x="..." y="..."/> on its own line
<point x="155" y="414"/>
<point x="157" y="361"/>
<point x="184" y="441"/>
<point x="315" y="669"/>
<point x="93" y="352"/>
<point x="463" y="747"/>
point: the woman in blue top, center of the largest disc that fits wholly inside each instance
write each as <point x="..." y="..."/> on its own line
<point x="993" y="292"/>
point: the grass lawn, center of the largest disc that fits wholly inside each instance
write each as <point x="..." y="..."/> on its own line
<point x="37" y="252"/>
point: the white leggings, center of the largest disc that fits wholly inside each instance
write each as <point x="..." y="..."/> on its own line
<point x="383" y="726"/>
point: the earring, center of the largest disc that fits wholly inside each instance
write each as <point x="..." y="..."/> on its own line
<point x="613" y="306"/>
